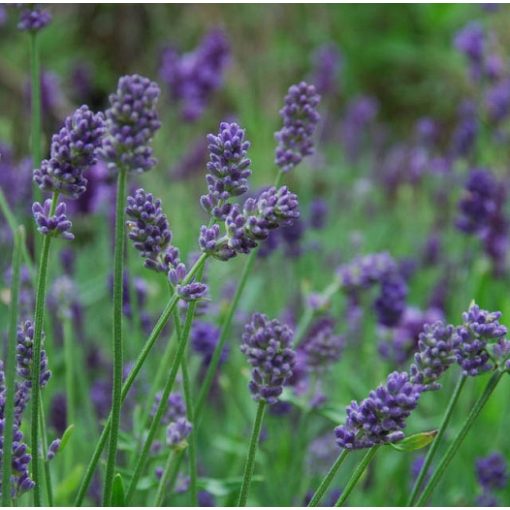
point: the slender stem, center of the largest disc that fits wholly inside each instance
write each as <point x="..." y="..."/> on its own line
<point x="160" y="324"/>
<point x="440" y="433"/>
<point x="360" y="469"/>
<point x="118" y="261"/>
<point x="165" y="477"/>
<point x="69" y="378"/>
<point x="10" y="370"/>
<point x="452" y="450"/>
<point x="225" y="330"/>
<point x="46" y="465"/>
<point x="11" y="221"/>
<point x="303" y="325"/>
<point x="40" y="299"/>
<point x="250" y="460"/>
<point x="192" y="451"/>
<point x="326" y="482"/>
<point x="156" y="421"/>
<point x="36" y="126"/>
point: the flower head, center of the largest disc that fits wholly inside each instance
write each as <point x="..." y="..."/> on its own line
<point x="148" y="228"/>
<point x="74" y="149"/>
<point x="33" y="19"/>
<point x="300" y="118"/>
<point x="491" y="471"/>
<point x="434" y="356"/>
<point x="472" y="338"/>
<point x="131" y="122"/>
<point x="380" y="418"/>
<point x="55" y="225"/>
<point x="267" y="345"/>
<point x="229" y="169"/>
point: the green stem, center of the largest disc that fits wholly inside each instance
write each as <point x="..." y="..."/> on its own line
<point x="10" y="370"/>
<point x="13" y="225"/>
<point x="69" y="378"/>
<point x="440" y="433"/>
<point x="165" y="477"/>
<point x="36" y="126"/>
<point x="303" y="325"/>
<point x="46" y="465"/>
<point x="160" y="324"/>
<point x="192" y="451"/>
<point x="40" y="298"/>
<point x="118" y="261"/>
<point x="360" y="469"/>
<point x="225" y="330"/>
<point x="250" y="460"/>
<point x="326" y="482"/>
<point x="452" y="450"/>
<point x="156" y="421"/>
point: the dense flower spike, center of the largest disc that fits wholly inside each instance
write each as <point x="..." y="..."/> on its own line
<point x="300" y="118"/>
<point x="73" y="150"/>
<point x="478" y="202"/>
<point x="271" y="209"/>
<point x="229" y="169"/>
<point x="363" y="272"/>
<point x="24" y="355"/>
<point x="192" y="78"/>
<point x="56" y="225"/>
<point x="491" y="471"/>
<point x="131" y="122"/>
<point x="434" y="356"/>
<point x="321" y="346"/>
<point x="471" y="340"/>
<point x="33" y="19"/>
<point x="148" y="228"/>
<point x="327" y="64"/>
<point x="380" y="418"/>
<point x="20" y="478"/>
<point x="391" y="303"/>
<point x="267" y="345"/>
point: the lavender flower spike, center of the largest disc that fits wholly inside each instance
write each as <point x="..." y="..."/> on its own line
<point x="471" y="340"/>
<point x="434" y="356"/>
<point x="131" y="122"/>
<point x="24" y="355"/>
<point x="33" y="19"/>
<point x="148" y="228"/>
<point x="380" y="418"/>
<point x="229" y="168"/>
<point x="300" y="118"/>
<point x="267" y="345"/>
<point x="492" y="472"/>
<point x="73" y="150"/>
<point x="56" y="225"/>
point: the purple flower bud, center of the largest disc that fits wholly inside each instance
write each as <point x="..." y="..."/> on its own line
<point x="33" y="19"/>
<point x="434" y="356"/>
<point x="178" y="431"/>
<point x="53" y="449"/>
<point x="192" y="291"/>
<point x="56" y="225"/>
<point x="300" y="118"/>
<point x="131" y="122"/>
<point x="380" y="418"/>
<point x="24" y="355"/>
<point x="471" y="339"/>
<point x="267" y="346"/>
<point x="73" y="150"/>
<point x="148" y="228"/>
<point x="229" y="168"/>
<point x="491" y="471"/>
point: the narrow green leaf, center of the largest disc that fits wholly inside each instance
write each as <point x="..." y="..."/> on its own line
<point x="224" y="487"/>
<point x="118" y="498"/>
<point x="415" y="441"/>
<point x="66" y="437"/>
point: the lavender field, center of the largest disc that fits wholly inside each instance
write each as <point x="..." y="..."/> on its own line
<point x="254" y="255"/>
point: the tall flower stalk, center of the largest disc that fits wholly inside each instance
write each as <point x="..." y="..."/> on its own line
<point x="457" y="442"/>
<point x="131" y="122"/>
<point x="267" y="346"/>
<point x="10" y="372"/>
